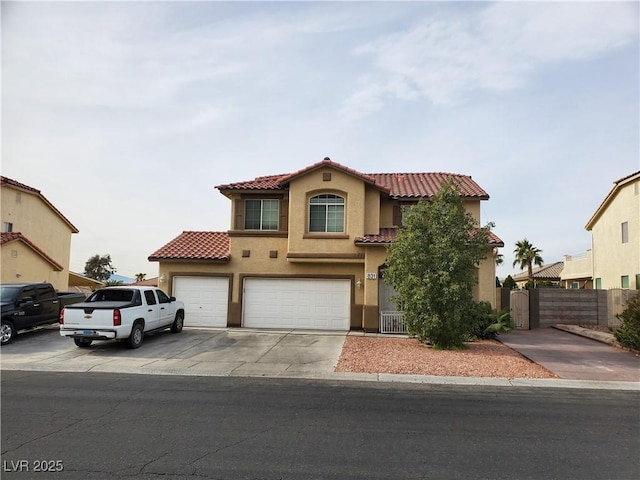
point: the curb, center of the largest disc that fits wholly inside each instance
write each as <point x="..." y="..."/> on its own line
<point x="355" y="377"/>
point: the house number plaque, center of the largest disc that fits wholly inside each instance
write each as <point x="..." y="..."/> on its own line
<point x="372" y="276"/>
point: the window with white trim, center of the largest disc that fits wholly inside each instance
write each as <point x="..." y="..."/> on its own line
<point x="625" y="232"/>
<point x="7" y="227"/>
<point x="326" y="214"/>
<point x="261" y="214"/>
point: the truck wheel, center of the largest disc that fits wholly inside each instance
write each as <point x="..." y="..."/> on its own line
<point x="7" y="332"/>
<point x="83" y="342"/>
<point x="136" y="337"/>
<point x="178" y="323"/>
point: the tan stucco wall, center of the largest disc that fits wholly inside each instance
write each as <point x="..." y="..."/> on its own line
<point x="43" y="227"/>
<point x="485" y="291"/>
<point x="306" y="186"/>
<point x="473" y="207"/>
<point x="20" y="264"/>
<point x="611" y="258"/>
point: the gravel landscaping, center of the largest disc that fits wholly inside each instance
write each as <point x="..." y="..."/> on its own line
<point x="486" y="358"/>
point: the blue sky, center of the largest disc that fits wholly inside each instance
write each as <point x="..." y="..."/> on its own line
<point x="126" y="115"/>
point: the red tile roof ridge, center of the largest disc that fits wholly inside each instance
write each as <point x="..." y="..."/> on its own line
<point x="329" y="162"/>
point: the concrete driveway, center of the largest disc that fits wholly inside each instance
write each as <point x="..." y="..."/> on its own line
<point x="574" y="357"/>
<point x="192" y="352"/>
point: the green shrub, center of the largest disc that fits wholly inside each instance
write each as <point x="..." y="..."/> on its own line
<point x="478" y="318"/>
<point x="628" y="334"/>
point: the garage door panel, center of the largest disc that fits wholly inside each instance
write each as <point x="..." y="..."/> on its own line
<point x="205" y="300"/>
<point x="300" y="303"/>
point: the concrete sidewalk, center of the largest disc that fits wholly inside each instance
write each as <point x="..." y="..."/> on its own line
<point x="240" y="352"/>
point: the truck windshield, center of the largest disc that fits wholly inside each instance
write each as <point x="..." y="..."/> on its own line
<point x="8" y="294"/>
<point x="111" y="296"/>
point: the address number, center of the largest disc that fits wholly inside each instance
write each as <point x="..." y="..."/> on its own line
<point x="372" y="276"/>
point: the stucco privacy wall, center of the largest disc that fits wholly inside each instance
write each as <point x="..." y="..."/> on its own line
<point x="44" y="227"/>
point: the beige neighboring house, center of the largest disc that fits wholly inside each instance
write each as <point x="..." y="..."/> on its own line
<point x="614" y="258"/>
<point x="545" y="273"/>
<point x="577" y="271"/>
<point x="305" y="250"/>
<point x="83" y="284"/>
<point x="35" y="239"/>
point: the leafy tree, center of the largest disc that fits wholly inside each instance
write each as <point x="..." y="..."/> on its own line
<point x="99" y="267"/>
<point x="140" y="277"/>
<point x="509" y="282"/>
<point x="432" y="266"/>
<point x="526" y="255"/>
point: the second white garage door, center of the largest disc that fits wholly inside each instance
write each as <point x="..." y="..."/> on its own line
<point x="205" y="300"/>
<point x="297" y="303"/>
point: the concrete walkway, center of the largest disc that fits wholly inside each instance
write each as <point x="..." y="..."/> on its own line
<point x="247" y="352"/>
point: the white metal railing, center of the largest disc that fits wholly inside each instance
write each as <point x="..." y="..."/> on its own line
<point x="392" y="322"/>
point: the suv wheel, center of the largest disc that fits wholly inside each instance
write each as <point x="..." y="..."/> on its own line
<point x="7" y="332"/>
<point x="136" y="336"/>
<point x="178" y="323"/>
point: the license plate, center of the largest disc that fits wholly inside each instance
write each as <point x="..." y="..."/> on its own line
<point x="87" y="332"/>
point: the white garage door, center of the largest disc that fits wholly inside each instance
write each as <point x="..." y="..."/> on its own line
<point x="297" y="303"/>
<point x="205" y="300"/>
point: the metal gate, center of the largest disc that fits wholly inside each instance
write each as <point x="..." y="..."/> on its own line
<point x="519" y="301"/>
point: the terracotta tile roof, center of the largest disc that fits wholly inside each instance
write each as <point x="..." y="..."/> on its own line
<point x="415" y="185"/>
<point x="327" y="162"/>
<point x="387" y="235"/>
<point x="8" y="237"/>
<point x="4" y="181"/>
<point x="397" y="185"/>
<point x="545" y="272"/>
<point x="195" y="246"/>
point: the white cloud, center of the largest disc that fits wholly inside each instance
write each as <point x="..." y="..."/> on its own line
<point x="445" y="57"/>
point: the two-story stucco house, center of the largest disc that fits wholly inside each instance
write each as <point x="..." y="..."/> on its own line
<point x="36" y="237"/>
<point x="614" y="258"/>
<point x="305" y="250"/>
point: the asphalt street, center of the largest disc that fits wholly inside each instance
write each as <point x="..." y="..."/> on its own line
<point x="113" y="425"/>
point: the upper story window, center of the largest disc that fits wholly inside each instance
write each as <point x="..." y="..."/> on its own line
<point x="7" y="227"/>
<point x="261" y="214"/>
<point x="326" y="213"/>
<point x="625" y="232"/>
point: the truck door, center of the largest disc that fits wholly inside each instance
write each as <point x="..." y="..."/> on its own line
<point x="30" y="311"/>
<point x="48" y="304"/>
<point x="167" y="312"/>
<point x="153" y="310"/>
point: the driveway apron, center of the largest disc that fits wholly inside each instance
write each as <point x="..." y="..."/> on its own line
<point x="573" y="357"/>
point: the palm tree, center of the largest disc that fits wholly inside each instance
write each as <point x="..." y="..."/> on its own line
<point x="140" y="277"/>
<point x="526" y="256"/>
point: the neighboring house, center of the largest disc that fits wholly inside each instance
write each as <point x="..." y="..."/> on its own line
<point x="577" y="271"/>
<point x="614" y="258"/>
<point x="615" y="236"/>
<point x="83" y="284"/>
<point x="305" y="250"/>
<point x="546" y="273"/>
<point x="147" y="282"/>
<point x="36" y="237"/>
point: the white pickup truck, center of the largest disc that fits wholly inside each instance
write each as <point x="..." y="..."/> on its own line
<point x="121" y="313"/>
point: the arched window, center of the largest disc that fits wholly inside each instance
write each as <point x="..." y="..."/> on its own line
<point x="326" y="213"/>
